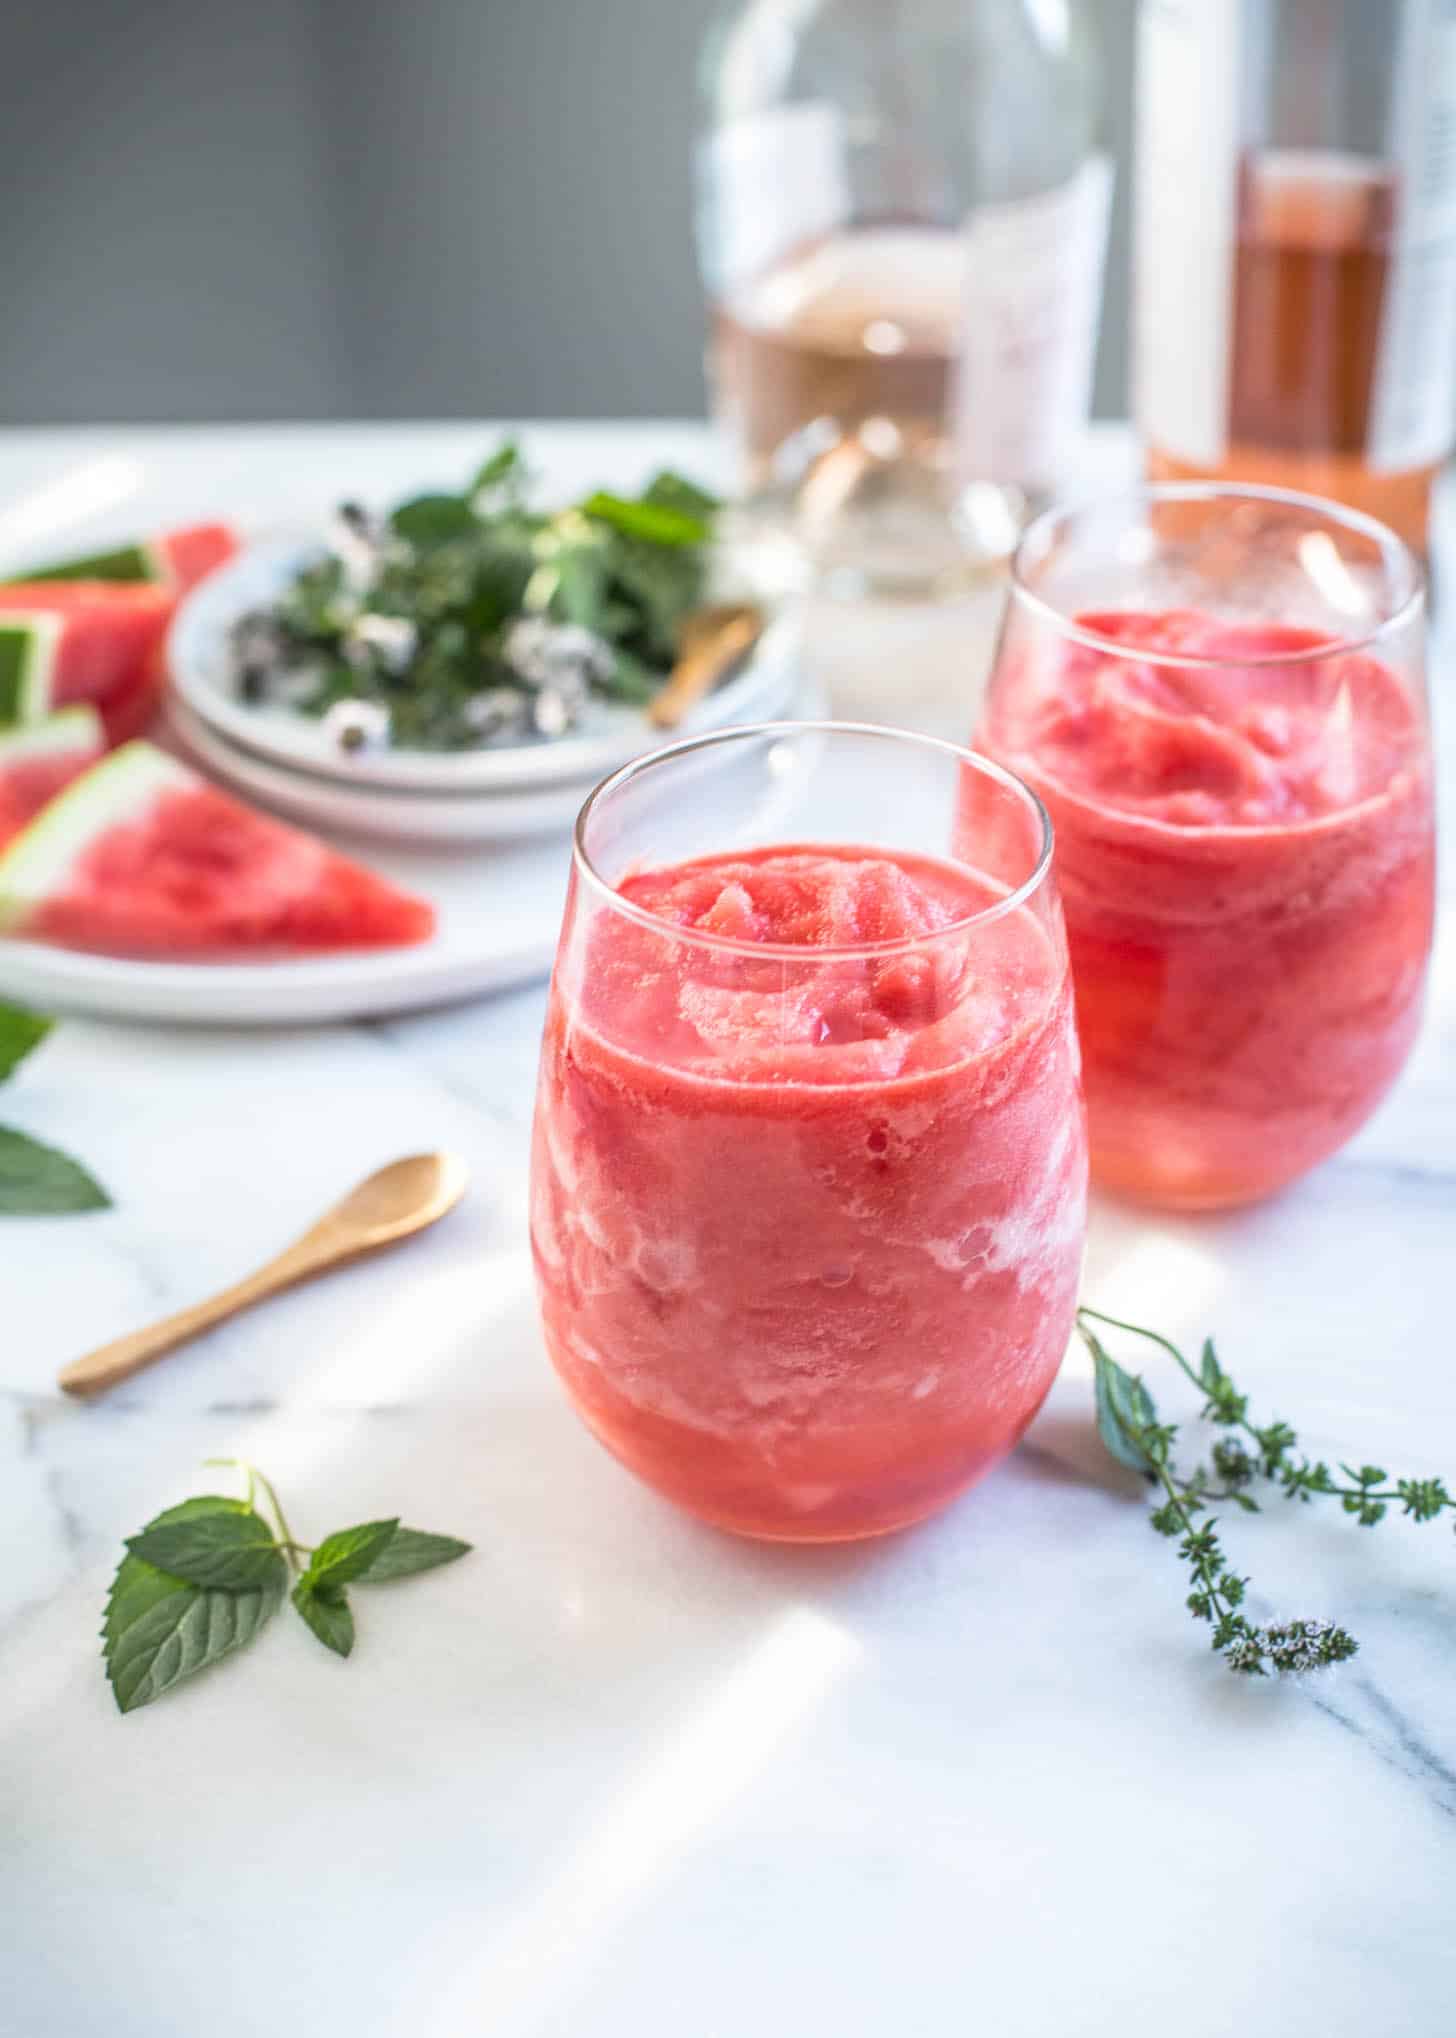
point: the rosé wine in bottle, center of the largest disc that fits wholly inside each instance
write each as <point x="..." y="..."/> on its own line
<point x="1296" y="247"/>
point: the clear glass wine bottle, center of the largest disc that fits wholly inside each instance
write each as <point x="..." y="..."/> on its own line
<point x="903" y="210"/>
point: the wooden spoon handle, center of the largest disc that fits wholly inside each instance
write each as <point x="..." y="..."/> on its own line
<point x="112" y="1363"/>
<point x="701" y="666"/>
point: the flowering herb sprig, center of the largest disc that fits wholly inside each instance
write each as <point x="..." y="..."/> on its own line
<point x="1127" y="1421"/>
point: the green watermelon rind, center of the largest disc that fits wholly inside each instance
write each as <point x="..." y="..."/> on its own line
<point x="121" y="788"/>
<point x="25" y="676"/>
<point x="77" y="728"/>
<point x="126" y="565"/>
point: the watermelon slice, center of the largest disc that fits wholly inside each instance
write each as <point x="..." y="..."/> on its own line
<point x="82" y="640"/>
<point x="141" y="857"/>
<point x="175" y="559"/>
<point x="40" y="761"/>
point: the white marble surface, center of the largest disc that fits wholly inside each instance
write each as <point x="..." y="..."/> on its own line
<point x="619" y="1775"/>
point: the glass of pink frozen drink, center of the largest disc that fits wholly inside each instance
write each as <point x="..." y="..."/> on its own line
<point x="809" y="1172"/>
<point x="1219" y="695"/>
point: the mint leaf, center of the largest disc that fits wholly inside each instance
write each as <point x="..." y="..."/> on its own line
<point x="326" y="1610"/>
<point x="654" y="521"/>
<point x="410" y="1551"/>
<point x="431" y="520"/>
<point x="506" y="465"/>
<point x="37" y="1181"/>
<point x="349" y="1553"/>
<point x="234" y="1551"/>
<point x="159" y="1629"/>
<point x="674" y="491"/>
<point x="20" y="1033"/>
<point x="1124" y="1406"/>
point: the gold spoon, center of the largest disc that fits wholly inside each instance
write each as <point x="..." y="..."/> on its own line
<point x="711" y="642"/>
<point x="394" y="1203"/>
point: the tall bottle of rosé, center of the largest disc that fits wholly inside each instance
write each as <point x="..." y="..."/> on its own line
<point x="902" y="218"/>
<point x="1295" y="260"/>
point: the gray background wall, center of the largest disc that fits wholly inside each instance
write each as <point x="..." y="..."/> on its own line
<point x="247" y="209"/>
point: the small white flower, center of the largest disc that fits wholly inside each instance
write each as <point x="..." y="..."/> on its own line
<point x="393" y="637"/>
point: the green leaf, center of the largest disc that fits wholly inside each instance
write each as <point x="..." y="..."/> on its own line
<point x="1210" y="1372"/>
<point x="1124" y="1407"/>
<point x="233" y="1551"/>
<point x="325" y="1608"/>
<point x="37" y="1181"/>
<point x="580" y="591"/>
<point x="652" y="521"/>
<point x="632" y="681"/>
<point x="349" y="1553"/>
<point x="159" y="1629"/>
<point x="20" y="1033"/>
<point x="430" y="520"/>
<point x="675" y="491"/>
<point x="409" y="1551"/>
<point x="506" y="464"/>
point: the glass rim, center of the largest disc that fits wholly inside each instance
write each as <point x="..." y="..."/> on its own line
<point x="1150" y="494"/>
<point x="657" y="923"/>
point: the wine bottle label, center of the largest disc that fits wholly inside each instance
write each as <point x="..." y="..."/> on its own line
<point x="1033" y="292"/>
<point x="1413" y="408"/>
<point x="773" y="183"/>
<point x="1186" y="141"/>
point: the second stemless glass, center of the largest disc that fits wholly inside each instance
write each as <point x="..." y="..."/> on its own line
<point x="809" y="1168"/>
<point x="1219" y="694"/>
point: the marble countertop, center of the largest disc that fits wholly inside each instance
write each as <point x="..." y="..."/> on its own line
<point x="617" y="1774"/>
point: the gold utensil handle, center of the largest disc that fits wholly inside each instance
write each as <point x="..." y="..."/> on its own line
<point x="112" y="1363"/>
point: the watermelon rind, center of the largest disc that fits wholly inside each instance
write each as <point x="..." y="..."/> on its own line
<point x="28" y="640"/>
<point x="78" y="728"/>
<point x="141" y="561"/>
<point x="121" y="788"/>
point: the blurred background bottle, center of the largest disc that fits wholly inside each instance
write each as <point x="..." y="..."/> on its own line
<point x="1295" y="250"/>
<point x="902" y="223"/>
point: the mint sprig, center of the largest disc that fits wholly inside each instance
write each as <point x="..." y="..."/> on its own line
<point x="203" y="1578"/>
<point x="37" y="1180"/>
<point x="160" y="1628"/>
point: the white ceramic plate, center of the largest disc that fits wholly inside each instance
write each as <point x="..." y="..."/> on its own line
<point x="610" y="735"/>
<point x="499" y="913"/>
<point x="378" y="812"/>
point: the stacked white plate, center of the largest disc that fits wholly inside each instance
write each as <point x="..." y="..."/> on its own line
<point x="291" y="763"/>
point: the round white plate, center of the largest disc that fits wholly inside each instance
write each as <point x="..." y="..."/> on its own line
<point x="499" y="914"/>
<point x="377" y="812"/>
<point x="610" y="735"/>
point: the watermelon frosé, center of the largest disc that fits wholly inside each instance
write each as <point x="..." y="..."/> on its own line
<point x="808" y="1194"/>
<point x="1243" y="815"/>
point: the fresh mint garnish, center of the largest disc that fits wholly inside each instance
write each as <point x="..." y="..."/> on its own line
<point x="40" y="1181"/>
<point x="326" y="1610"/>
<point x="37" y="1180"/>
<point x="461" y="621"/>
<point x="160" y="1629"/>
<point x="1246" y="1456"/>
<point x="20" y="1034"/>
<point x="348" y="1553"/>
<point x="235" y="1550"/>
<point x="410" y="1551"/>
<point x="201" y="1579"/>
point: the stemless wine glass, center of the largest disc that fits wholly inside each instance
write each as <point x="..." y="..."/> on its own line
<point x="1219" y="694"/>
<point x="809" y="1169"/>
